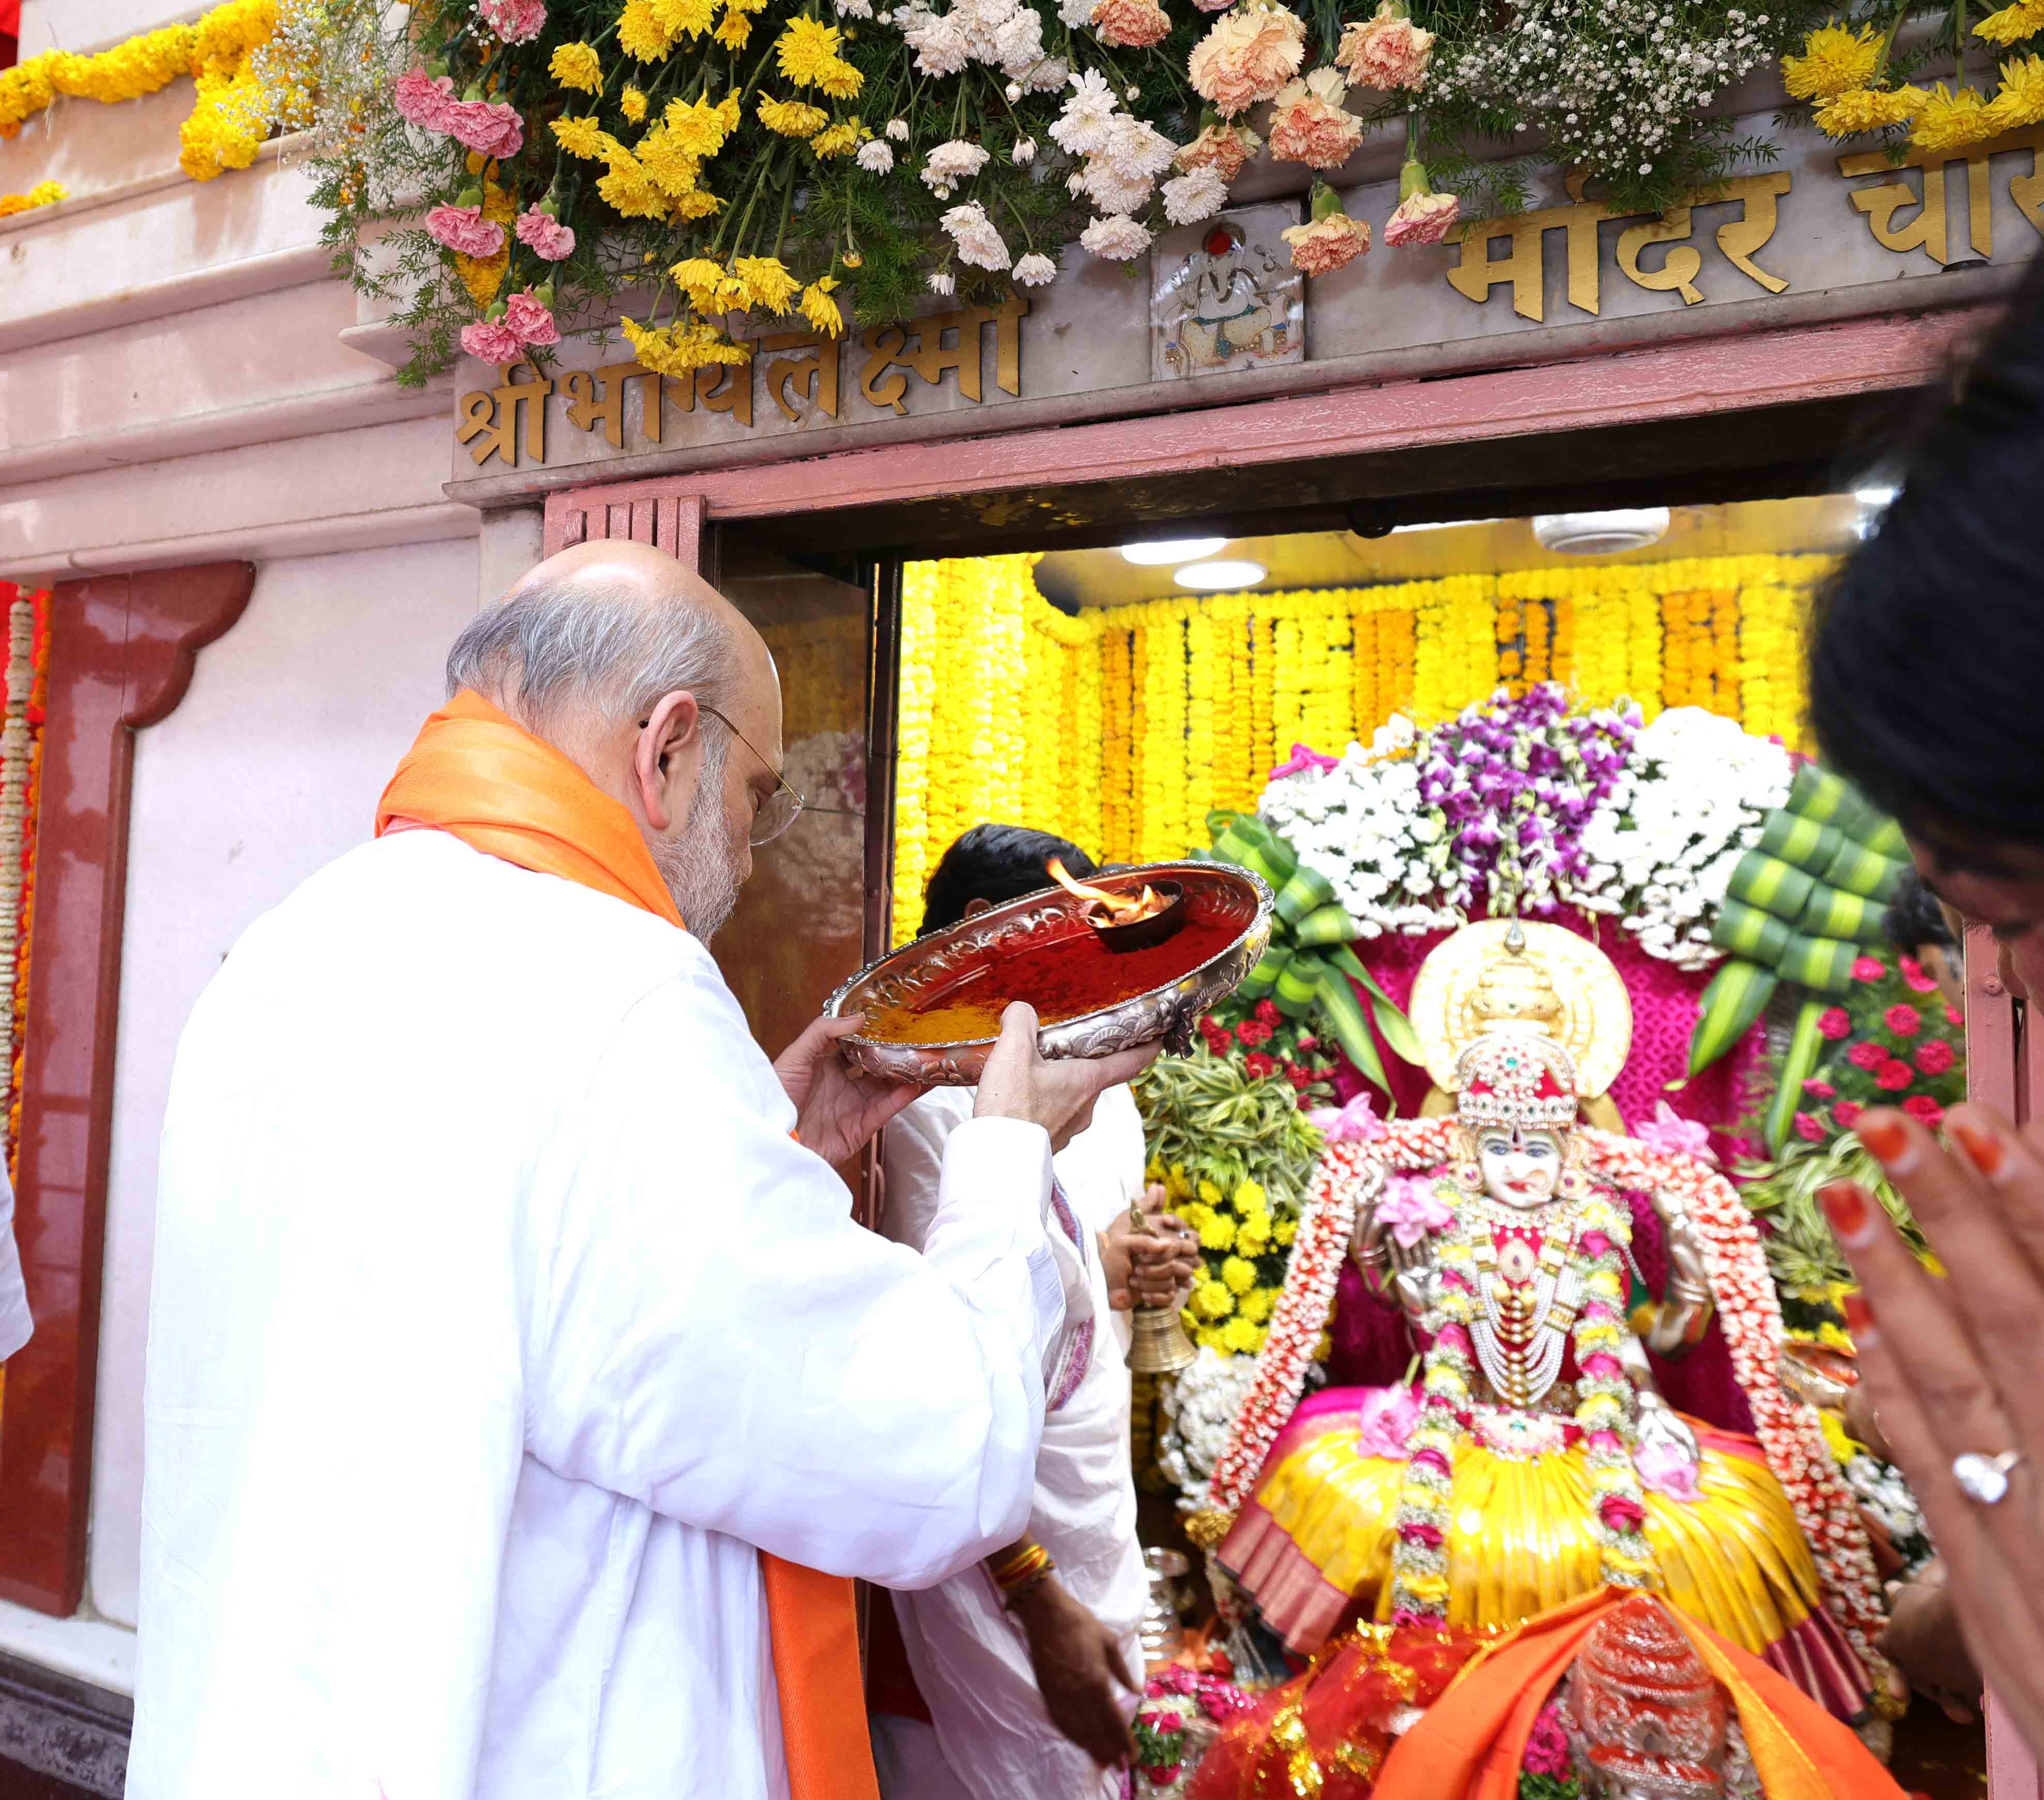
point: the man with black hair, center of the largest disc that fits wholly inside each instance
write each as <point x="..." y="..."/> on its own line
<point x="1045" y="1711"/>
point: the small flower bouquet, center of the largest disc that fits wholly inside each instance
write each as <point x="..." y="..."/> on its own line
<point x="1892" y="1042"/>
<point x="1182" y="1712"/>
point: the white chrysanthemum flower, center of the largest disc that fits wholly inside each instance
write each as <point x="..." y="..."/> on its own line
<point x="1117" y="237"/>
<point x="1137" y="148"/>
<point x="898" y="130"/>
<point x="1048" y="76"/>
<point x="942" y="281"/>
<point x="1036" y="269"/>
<point x="1018" y="42"/>
<point x="973" y="232"/>
<point x="1076" y="14"/>
<point x="1113" y="190"/>
<point x="1024" y="150"/>
<point x="1194" y="197"/>
<point x="1086" y="125"/>
<point x="951" y="163"/>
<point x="876" y="156"/>
<point x="853" y="9"/>
<point x="939" y="40"/>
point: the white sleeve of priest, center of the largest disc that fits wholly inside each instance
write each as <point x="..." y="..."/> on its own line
<point x="16" y="1326"/>
<point x="715" y="1337"/>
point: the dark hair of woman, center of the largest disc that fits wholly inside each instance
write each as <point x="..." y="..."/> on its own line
<point x="1928" y="647"/>
<point x="996" y="864"/>
<point x="1914" y="919"/>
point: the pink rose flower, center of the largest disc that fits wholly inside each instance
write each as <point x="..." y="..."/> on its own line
<point x="1935" y="1056"/>
<point x="1131" y="24"/>
<point x="1386" y="51"/>
<point x="1904" y="1021"/>
<point x="1892" y="1077"/>
<point x="1835" y="1023"/>
<point x="531" y="320"/>
<point x="1423" y="218"/>
<point x="1620" y="1512"/>
<point x="1246" y="56"/>
<point x="1669" y="1130"/>
<point x="465" y="231"/>
<point x="1664" y="1470"/>
<point x="1926" y="1111"/>
<point x="1222" y="147"/>
<point x="424" y="100"/>
<point x="1418" y="1531"/>
<point x="1311" y="126"/>
<point x="1430" y="1459"/>
<point x="1410" y="1208"/>
<point x="1601" y="1362"/>
<point x="1869" y="968"/>
<point x="1866" y="1055"/>
<point x="1389" y="1416"/>
<point x="1808" y="1129"/>
<point x="515" y="22"/>
<point x="1846" y="1112"/>
<point x="1913" y="975"/>
<point x="1163" y="1777"/>
<point x="1356" y="1122"/>
<point x="1327" y="244"/>
<point x="545" y="235"/>
<point x="486" y="127"/>
<point x="492" y="340"/>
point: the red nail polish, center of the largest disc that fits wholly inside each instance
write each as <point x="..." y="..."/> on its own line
<point x="1884" y="1138"/>
<point x="1859" y="1317"/>
<point x="1845" y="1205"/>
<point x="1983" y="1149"/>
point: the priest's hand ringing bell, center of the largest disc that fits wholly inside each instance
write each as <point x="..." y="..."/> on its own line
<point x="1019" y="1083"/>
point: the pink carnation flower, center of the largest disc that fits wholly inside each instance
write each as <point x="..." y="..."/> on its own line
<point x="1327" y="244"/>
<point x="1222" y="147"/>
<point x="1311" y="125"/>
<point x="1423" y="218"/>
<point x="1954" y="1017"/>
<point x="515" y="22"/>
<point x="531" y="320"/>
<point x="1847" y="1113"/>
<point x="545" y="235"/>
<point x="1386" y="51"/>
<point x="492" y="340"/>
<point x="1547" y="1751"/>
<point x="1904" y="1021"/>
<point x="1808" y="1129"/>
<point x="1935" y="1057"/>
<point x="1866" y="1055"/>
<point x="1914" y="974"/>
<point x="485" y="126"/>
<point x="1925" y="1110"/>
<point x="1247" y="57"/>
<point x="1131" y="24"/>
<point x="1892" y="1077"/>
<point x="1835" y="1023"/>
<point x="1869" y="968"/>
<point x="465" y="231"/>
<point x="1820" y="1089"/>
<point x="424" y="100"/>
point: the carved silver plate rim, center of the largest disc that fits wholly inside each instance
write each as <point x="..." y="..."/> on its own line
<point x="1140" y="1020"/>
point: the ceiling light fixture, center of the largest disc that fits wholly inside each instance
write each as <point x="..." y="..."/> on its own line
<point x="1440" y="524"/>
<point x="1222" y="576"/>
<point x="1601" y="534"/>
<point x="1161" y="551"/>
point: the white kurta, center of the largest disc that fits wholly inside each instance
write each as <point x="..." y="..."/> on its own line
<point x="970" y="1657"/>
<point x="16" y="1326"/>
<point x="496" y="1320"/>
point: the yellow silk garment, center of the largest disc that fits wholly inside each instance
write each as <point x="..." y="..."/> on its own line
<point x="1523" y="1536"/>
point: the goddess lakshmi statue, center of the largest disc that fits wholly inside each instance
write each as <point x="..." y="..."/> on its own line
<point x="1534" y="1463"/>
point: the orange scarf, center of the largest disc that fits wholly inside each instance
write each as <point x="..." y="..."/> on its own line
<point x="475" y="774"/>
<point x="1471" y="1743"/>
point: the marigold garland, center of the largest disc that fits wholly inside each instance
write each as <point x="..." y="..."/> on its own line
<point x="20" y="786"/>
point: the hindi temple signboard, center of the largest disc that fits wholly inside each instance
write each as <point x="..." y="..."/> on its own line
<point x="1820" y="221"/>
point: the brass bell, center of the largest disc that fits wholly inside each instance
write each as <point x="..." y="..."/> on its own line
<point x="1158" y="1343"/>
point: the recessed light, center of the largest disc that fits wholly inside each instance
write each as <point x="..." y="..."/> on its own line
<point x="1171" y="550"/>
<point x="1875" y="496"/>
<point x="1601" y="534"/>
<point x="1439" y="524"/>
<point x="1223" y="575"/>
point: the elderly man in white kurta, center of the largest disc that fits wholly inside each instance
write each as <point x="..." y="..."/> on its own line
<point x="519" y="1388"/>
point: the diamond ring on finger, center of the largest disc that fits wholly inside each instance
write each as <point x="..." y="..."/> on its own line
<point x="1984" y="1479"/>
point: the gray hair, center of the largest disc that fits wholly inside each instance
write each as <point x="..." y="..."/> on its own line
<point x="599" y="645"/>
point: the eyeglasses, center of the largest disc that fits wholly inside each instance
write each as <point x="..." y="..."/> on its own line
<point x="780" y="808"/>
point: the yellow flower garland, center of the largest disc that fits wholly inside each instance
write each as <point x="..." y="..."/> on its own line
<point x="1120" y="728"/>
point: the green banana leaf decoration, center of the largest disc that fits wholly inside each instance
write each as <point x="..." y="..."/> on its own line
<point x="1802" y="906"/>
<point x="1306" y="971"/>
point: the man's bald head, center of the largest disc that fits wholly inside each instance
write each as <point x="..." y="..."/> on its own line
<point x="600" y="632"/>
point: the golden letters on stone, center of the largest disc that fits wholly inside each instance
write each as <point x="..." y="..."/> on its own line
<point x="805" y="377"/>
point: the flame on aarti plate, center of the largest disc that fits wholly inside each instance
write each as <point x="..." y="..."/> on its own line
<point x="1120" y="909"/>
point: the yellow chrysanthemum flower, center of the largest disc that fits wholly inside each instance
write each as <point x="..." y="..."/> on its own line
<point x="640" y="35"/>
<point x="791" y="118"/>
<point x="632" y="190"/>
<point x="483" y="276"/>
<point x="1217" y="1233"/>
<point x="1843" y="1448"/>
<point x="575" y="65"/>
<point x="2020" y="99"/>
<point x="585" y="138"/>
<point x="43" y="193"/>
<point x="2012" y="24"/>
<point x="1252" y="1237"/>
<point x="1241" y="1337"/>
<point x="1834" y="61"/>
<point x="805" y="49"/>
<point x="767" y="284"/>
<point x="1238" y="1275"/>
<point x="700" y="279"/>
<point x="1193" y="1215"/>
<point x="699" y="127"/>
<point x="667" y="164"/>
<point x="734" y="30"/>
<point x="1256" y="1306"/>
<point x="1951" y="120"/>
<point x="1209" y="1337"/>
<point x="821" y="310"/>
<point x="1284" y="1232"/>
<point x="1868" y="108"/>
<point x="1212" y="1301"/>
<point x="840" y="80"/>
<point x="1250" y="1197"/>
<point x="700" y="204"/>
<point x="676" y="17"/>
<point x="632" y="103"/>
<point x="1209" y="1193"/>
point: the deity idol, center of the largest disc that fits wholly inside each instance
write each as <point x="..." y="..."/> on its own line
<point x="1535" y="1462"/>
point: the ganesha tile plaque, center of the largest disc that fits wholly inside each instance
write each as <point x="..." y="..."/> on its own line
<point x="1223" y="296"/>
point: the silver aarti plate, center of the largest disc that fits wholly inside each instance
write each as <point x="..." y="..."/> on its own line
<point x="899" y="979"/>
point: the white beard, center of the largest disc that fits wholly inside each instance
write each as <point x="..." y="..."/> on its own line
<point x="699" y="868"/>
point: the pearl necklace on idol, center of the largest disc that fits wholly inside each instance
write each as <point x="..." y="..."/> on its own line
<point x="1520" y="1338"/>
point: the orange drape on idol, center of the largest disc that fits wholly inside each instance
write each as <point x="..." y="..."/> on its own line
<point x="477" y="775"/>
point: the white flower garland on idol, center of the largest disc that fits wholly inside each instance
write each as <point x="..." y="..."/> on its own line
<point x="15" y="753"/>
<point x="1664" y="842"/>
<point x="1199" y="1409"/>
